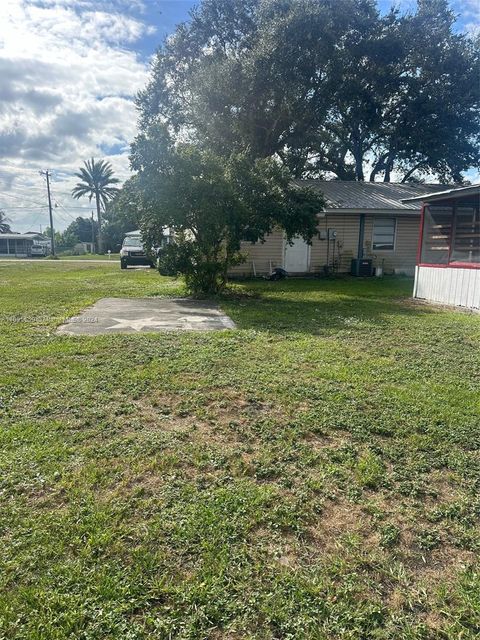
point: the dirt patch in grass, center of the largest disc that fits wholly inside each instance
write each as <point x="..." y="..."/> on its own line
<point x="336" y="523"/>
<point x="163" y="413"/>
<point x="440" y="565"/>
<point x="234" y="408"/>
<point x="220" y="420"/>
<point x="443" y="487"/>
<point x="282" y="549"/>
<point x="325" y="443"/>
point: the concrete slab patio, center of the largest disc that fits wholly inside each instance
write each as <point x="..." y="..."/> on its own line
<point x="134" y="315"/>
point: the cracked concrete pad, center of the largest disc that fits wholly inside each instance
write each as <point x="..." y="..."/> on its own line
<point x="135" y="315"/>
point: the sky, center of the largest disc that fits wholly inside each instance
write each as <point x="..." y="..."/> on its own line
<point x="69" y="71"/>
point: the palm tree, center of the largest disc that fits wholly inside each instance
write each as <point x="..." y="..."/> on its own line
<point x="96" y="180"/>
<point x="4" y="226"/>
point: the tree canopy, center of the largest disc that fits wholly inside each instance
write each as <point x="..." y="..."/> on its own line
<point x="79" y="230"/>
<point x="4" y="223"/>
<point x="212" y="203"/>
<point x="122" y="214"/>
<point x="328" y="88"/>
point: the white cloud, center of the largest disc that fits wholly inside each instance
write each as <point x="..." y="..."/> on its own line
<point x="67" y="82"/>
<point x="468" y="12"/>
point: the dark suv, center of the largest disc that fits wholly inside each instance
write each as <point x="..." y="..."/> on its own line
<point x="133" y="253"/>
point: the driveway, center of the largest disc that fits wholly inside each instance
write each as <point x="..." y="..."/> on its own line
<point x="142" y="315"/>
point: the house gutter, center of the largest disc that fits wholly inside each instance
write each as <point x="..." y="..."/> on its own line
<point x="397" y="212"/>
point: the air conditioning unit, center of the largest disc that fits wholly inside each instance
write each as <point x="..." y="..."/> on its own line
<point x="361" y="267"/>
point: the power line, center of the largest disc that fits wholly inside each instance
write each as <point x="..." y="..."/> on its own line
<point x="81" y="208"/>
<point x="16" y="169"/>
<point x="11" y="195"/>
<point x="58" y="204"/>
<point x="24" y="185"/>
<point x="70" y="207"/>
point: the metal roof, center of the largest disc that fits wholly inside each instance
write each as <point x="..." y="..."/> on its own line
<point x="15" y="236"/>
<point x="138" y="232"/>
<point x="35" y="234"/>
<point x="471" y="190"/>
<point x="369" y="196"/>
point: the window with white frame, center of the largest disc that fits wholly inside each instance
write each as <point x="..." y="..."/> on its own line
<point x="384" y="234"/>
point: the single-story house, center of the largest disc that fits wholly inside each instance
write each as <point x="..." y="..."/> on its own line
<point x="15" y="245"/>
<point x="361" y="221"/>
<point x="448" y="258"/>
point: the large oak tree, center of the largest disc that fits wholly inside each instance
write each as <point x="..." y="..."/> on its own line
<point x="331" y="88"/>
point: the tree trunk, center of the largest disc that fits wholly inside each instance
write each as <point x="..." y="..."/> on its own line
<point x="359" y="169"/>
<point x="376" y="169"/>
<point x="358" y="156"/>
<point x="378" y="166"/>
<point x="99" y="217"/>
<point x="411" y="171"/>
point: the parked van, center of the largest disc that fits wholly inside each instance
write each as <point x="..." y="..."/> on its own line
<point x="39" y="250"/>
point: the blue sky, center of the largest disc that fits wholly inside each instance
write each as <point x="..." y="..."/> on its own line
<point x="69" y="70"/>
<point x="165" y="14"/>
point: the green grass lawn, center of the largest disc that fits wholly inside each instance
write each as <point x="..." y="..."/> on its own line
<point x="92" y="256"/>
<point x="314" y="474"/>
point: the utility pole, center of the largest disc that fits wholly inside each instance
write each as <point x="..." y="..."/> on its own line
<point x="93" y="235"/>
<point x="52" y="230"/>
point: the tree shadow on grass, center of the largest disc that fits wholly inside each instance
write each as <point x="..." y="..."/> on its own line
<point x="322" y="307"/>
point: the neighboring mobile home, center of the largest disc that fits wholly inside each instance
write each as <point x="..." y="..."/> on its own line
<point x="15" y="245"/>
<point x="362" y="220"/>
<point x="448" y="259"/>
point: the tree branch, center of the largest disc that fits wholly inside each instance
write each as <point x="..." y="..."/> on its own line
<point x="412" y="170"/>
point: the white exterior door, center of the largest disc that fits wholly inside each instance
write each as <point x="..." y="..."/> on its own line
<point x="297" y="256"/>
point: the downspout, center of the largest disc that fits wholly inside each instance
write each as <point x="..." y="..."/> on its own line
<point x="361" y="236"/>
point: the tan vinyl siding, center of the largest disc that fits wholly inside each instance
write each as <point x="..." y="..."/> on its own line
<point x="346" y="244"/>
<point x="265" y="255"/>
<point x="401" y="260"/>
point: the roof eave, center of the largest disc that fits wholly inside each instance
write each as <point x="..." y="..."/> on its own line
<point x="442" y="195"/>
<point x="358" y="210"/>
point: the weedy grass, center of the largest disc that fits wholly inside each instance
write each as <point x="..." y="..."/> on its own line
<point x="314" y="474"/>
<point x="113" y="257"/>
